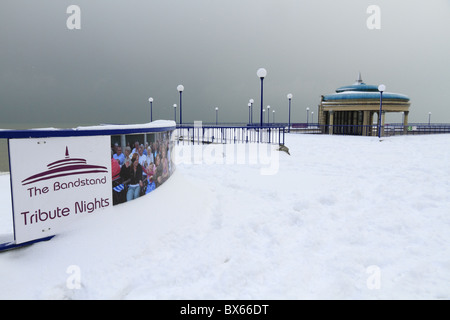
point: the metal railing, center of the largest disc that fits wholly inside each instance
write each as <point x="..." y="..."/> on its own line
<point x="205" y="134"/>
<point x="416" y="128"/>
<point x="274" y="133"/>
<point x="390" y="129"/>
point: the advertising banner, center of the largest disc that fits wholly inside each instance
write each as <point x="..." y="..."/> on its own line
<point x="140" y="164"/>
<point x="56" y="180"/>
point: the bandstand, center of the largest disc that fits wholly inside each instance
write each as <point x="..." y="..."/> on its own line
<point x="352" y="108"/>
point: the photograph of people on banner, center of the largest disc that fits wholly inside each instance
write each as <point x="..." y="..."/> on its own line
<point x="140" y="163"/>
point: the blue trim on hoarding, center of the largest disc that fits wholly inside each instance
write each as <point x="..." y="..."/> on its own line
<point x="11" y="188"/>
<point x="12" y="245"/>
<point x="46" y="133"/>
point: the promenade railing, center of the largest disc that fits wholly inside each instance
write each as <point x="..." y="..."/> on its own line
<point x="199" y="133"/>
<point x="389" y="129"/>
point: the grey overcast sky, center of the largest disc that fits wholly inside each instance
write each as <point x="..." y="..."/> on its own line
<point x="129" y="50"/>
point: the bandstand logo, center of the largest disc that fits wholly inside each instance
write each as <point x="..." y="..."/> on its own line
<point x="66" y="167"/>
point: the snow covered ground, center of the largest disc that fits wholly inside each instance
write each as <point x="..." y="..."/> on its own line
<point x="339" y="218"/>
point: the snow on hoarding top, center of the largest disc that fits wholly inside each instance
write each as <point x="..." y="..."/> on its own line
<point x="108" y="129"/>
<point x="149" y="125"/>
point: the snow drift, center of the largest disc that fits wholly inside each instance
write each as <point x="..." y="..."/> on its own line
<point x="341" y="218"/>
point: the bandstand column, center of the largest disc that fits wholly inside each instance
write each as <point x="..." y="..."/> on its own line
<point x="331" y="121"/>
<point x="405" y="121"/>
<point x="366" y="122"/>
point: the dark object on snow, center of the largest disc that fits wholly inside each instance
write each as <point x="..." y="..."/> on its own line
<point x="284" y="148"/>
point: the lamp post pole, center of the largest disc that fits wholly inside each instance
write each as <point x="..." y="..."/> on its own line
<point x="217" y="115"/>
<point x="268" y="114"/>
<point x="429" y="118"/>
<point x="273" y="118"/>
<point x="381" y="88"/>
<point x="261" y="73"/>
<point x="151" y="108"/>
<point x="289" y="96"/>
<point x="175" y="113"/>
<point x="307" y="117"/>
<point x="180" y="89"/>
<point x="251" y="110"/>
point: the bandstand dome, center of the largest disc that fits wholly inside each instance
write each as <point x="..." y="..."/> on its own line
<point x="351" y="109"/>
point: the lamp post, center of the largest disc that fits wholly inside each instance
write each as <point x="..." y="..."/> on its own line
<point x="251" y="110"/>
<point x="217" y="115"/>
<point x="180" y="89"/>
<point x="289" y="96"/>
<point x="307" y="117"/>
<point x="429" y="118"/>
<point x="261" y="73"/>
<point x="273" y="118"/>
<point x="175" y="112"/>
<point x="312" y="117"/>
<point x="268" y="114"/>
<point x="381" y="88"/>
<point x="151" y="108"/>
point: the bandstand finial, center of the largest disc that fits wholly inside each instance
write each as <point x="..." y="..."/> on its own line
<point x="359" y="80"/>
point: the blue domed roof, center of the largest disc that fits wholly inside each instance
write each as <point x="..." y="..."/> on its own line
<point x="358" y="87"/>
<point x="362" y="95"/>
<point x="360" y="91"/>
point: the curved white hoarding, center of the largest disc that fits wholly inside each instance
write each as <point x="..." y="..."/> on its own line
<point x="55" y="180"/>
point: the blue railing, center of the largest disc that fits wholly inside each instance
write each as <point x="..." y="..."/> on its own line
<point x="204" y="134"/>
<point x="275" y="132"/>
<point x="416" y="128"/>
<point x="389" y="129"/>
